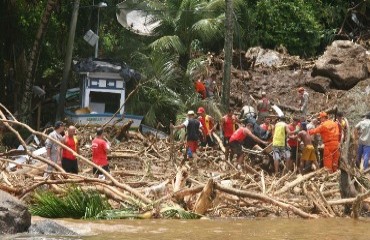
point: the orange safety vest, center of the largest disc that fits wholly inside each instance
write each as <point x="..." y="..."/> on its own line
<point x="206" y="123"/>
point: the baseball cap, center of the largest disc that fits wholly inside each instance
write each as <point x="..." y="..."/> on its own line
<point x="191" y="112"/>
<point x="58" y="124"/>
<point x="323" y="114"/>
<point x="201" y="110"/>
<point x="301" y="89"/>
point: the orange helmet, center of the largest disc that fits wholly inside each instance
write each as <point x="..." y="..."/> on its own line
<point x="301" y="89"/>
<point x="323" y="114"/>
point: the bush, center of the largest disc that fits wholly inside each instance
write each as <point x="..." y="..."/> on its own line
<point x="291" y="23"/>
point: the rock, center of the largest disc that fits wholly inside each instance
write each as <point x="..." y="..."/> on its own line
<point x="263" y="56"/>
<point x="344" y="62"/>
<point x="49" y="227"/>
<point x="14" y="215"/>
<point x="319" y="84"/>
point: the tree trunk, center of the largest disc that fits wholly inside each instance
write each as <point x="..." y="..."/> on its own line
<point x="228" y="48"/>
<point x="27" y="96"/>
<point x="67" y="61"/>
<point x="347" y="188"/>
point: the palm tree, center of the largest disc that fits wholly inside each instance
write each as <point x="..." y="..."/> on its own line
<point x="183" y="22"/>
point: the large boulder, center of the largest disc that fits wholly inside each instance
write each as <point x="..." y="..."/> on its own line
<point x="14" y="215"/>
<point x="344" y="62"/>
<point x="319" y="84"/>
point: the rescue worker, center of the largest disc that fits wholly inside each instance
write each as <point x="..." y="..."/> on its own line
<point x="237" y="139"/>
<point x="303" y="101"/>
<point x="363" y="129"/>
<point x="193" y="133"/>
<point x="329" y="132"/>
<point x="227" y="127"/>
<point x="247" y="112"/>
<point x="268" y="127"/>
<point x="308" y="153"/>
<point x="263" y="108"/>
<point x="69" y="161"/>
<point x="342" y="127"/>
<point x="293" y="143"/>
<point x="280" y="150"/>
<point x="200" y="88"/>
<point x="209" y="126"/>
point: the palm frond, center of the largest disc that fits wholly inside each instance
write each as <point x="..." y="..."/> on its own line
<point x="75" y="204"/>
<point x="168" y="43"/>
<point x="209" y="29"/>
<point x="178" y="213"/>
<point x="196" y="67"/>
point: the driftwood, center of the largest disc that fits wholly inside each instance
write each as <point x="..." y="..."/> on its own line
<point x="204" y="201"/>
<point x="142" y="169"/>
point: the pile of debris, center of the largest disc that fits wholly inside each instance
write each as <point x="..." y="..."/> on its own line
<point x="151" y="171"/>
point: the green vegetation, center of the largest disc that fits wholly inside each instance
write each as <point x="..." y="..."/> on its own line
<point x="77" y="203"/>
<point x="171" y="58"/>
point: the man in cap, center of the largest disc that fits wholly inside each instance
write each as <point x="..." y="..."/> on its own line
<point x="329" y="132"/>
<point x="193" y="131"/>
<point x="53" y="150"/>
<point x="263" y="108"/>
<point x="209" y="126"/>
<point x="363" y="130"/>
<point x="303" y="101"/>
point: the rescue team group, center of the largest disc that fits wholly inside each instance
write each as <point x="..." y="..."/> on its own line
<point x="285" y="138"/>
<point x="285" y="135"/>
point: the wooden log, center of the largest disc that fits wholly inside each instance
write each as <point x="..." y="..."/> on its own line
<point x="180" y="180"/>
<point x="264" y="198"/>
<point x="205" y="199"/>
<point x="297" y="181"/>
<point x="123" y="131"/>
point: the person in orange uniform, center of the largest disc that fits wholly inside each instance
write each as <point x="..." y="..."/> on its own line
<point x="69" y="161"/>
<point x="209" y="125"/>
<point x="329" y="131"/>
<point x="200" y="88"/>
<point x="227" y="126"/>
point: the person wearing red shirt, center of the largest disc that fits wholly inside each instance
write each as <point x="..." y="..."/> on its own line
<point x="200" y="88"/>
<point x="100" y="150"/>
<point x="227" y="125"/>
<point x="69" y="161"/>
<point x="237" y="139"/>
<point x="329" y="132"/>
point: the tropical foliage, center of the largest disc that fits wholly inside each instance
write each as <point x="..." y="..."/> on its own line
<point x="77" y="203"/>
<point x="188" y="29"/>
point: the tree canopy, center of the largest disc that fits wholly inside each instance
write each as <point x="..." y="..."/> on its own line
<point x="187" y="30"/>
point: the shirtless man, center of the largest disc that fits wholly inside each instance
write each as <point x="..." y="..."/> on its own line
<point x="308" y="153"/>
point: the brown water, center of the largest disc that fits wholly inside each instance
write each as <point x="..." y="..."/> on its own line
<point x="261" y="229"/>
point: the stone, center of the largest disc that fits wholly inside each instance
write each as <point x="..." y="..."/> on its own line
<point x="344" y="62"/>
<point x="49" y="227"/>
<point x="14" y="215"/>
<point x="319" y="84"/>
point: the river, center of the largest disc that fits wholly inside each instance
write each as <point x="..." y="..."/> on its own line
<point x="261" y="229"/>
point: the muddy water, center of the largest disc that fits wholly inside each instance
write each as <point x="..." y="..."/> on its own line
<point x="261" y="229"/>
